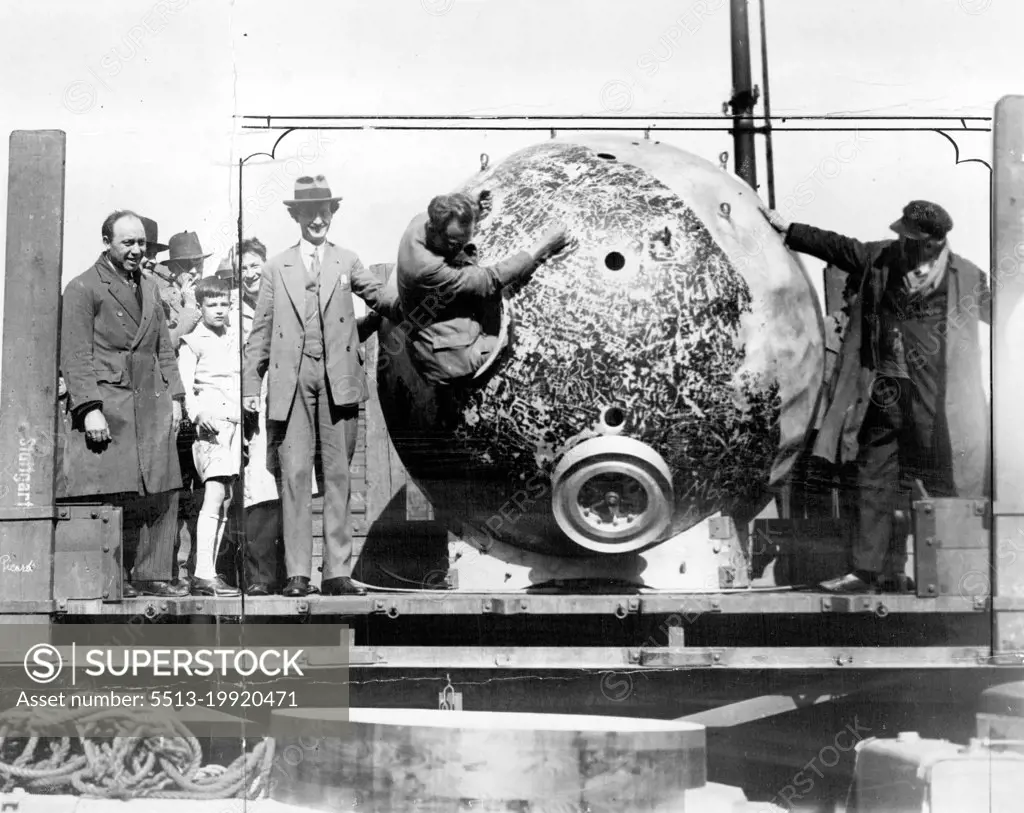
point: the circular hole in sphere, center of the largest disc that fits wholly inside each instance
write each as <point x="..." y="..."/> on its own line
<point x="607" y="156"/>
<point x="614" y="261"/>
<point x="613" y="416"/>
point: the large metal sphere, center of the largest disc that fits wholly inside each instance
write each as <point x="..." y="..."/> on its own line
<point x="651" y="376"/>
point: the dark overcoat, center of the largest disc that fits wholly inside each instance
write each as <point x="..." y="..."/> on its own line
<point x="965" y="417"/>
<point x="120" y="355"/>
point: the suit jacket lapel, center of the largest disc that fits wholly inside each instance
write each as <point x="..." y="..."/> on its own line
<point x="119" y="288"/>
<point x="330" y="273"/>
<point x="293" y="274"/>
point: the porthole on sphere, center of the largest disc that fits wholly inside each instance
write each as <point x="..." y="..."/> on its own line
<point x="614" y="261"/>
<point x="613" y="416"/>
<point x="607" y="156"/>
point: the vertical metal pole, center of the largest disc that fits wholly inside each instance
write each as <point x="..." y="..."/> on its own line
<point x="742" y="101"/>
<point x="240" y="505"/>
<point x="1007" y="440"/>
<point x="29" y="438"/>
<point x="769" y="154"/>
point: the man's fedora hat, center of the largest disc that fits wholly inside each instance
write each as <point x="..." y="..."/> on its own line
<point x="312" y="189"/>
<point x="185" y="246"/>
<point x="923" y="220"/>
<point x="152" y="234"/>
<point x="226" y="269"/>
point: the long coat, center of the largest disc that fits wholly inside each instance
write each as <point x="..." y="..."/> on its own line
<point x="120" y="355"/>
<point x="965" y="414"/>
<point x="275" y="342"/>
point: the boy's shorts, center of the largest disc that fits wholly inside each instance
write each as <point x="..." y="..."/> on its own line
<point x="218" y="455"/>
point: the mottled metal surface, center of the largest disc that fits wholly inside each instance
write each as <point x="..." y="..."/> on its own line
<point x="711" y="345"/>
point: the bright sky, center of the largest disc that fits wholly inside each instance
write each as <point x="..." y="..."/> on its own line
<point x="147" y="93"/>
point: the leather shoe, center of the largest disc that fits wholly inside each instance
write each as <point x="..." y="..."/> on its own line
<point x="342" y="586"/>
<point x="850" y="583"/>
<point x="258" y="590"/>
<point x="162" y="589"/>
<point x="128" y="591"/>
<point x="213" y="587"/>
<point x="297" y="587"/>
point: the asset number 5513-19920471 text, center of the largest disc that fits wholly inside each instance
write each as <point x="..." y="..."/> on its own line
<point x="236" y="699"/>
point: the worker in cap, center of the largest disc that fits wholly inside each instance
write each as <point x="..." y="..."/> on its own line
<point x="906" y="402"/>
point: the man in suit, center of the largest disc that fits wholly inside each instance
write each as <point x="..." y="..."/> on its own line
<point x="907" y="401"/>
<point x="446" y="293"/>
<point x="125" y="399"/>
<point x="304" y="337"/>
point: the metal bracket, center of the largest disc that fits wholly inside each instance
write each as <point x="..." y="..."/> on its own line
<point x="854" y="604"/>
<point x="389" y="608"/>
<point x="626" y="608"/>
<point x="679" y="657"/>
<point x="505" y="606"/>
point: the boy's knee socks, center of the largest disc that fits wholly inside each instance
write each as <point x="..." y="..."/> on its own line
<point x="207" y="532"/>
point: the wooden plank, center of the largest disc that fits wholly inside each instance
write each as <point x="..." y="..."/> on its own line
<point x="677" y="608"/>
<point x="384" y="470"/>
<point x="559" y="658"/>
<point x="30" y="358"/>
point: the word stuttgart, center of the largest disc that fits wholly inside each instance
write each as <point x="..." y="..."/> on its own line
<point x="198" y="663"/>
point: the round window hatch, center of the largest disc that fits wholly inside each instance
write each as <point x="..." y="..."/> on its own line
<point x="614" y="261"/>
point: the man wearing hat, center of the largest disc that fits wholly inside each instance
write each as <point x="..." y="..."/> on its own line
<point x="153" y="244"/>
<point x="183" y="267"/>
<point x="305" y="338"/>
<point x="907" y="402"/>
<point x="176" y="278"/>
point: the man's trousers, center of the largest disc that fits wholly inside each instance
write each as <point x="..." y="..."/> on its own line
<point x="149" y="527"/>
<point x="901" y="441"/>
<point x="317" y="432"/>
<point x="262" y="562"/>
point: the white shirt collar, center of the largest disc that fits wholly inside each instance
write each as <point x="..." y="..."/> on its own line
<point x="306" y="249"/>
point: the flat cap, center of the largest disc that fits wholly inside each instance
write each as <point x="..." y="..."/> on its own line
<point x="923" y="220"/>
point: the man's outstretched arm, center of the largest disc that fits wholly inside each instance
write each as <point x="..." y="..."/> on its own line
<point x="845" y="253"/>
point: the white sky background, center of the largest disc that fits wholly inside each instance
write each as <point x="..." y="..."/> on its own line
<point x="146" y="92"/>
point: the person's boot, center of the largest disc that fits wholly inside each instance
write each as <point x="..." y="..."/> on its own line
<point x="213" y="587"/>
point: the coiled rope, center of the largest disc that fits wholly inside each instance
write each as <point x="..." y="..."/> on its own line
<point x="112" y="757"/>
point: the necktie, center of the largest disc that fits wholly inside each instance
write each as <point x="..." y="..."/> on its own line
<point x="314" y="269"/>
<point x="314" y="272"/>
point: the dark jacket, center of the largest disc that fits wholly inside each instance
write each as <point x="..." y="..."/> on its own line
<point x="968" y="303"/>
<point x="444" y="301"/>
<point x="120" y="357"/>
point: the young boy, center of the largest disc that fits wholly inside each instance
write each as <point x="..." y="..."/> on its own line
<point x="209" y="367"/>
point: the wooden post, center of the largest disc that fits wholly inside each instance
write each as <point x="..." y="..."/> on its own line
<point x="1008" y="375"/>
<point x="28" y="388"/>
